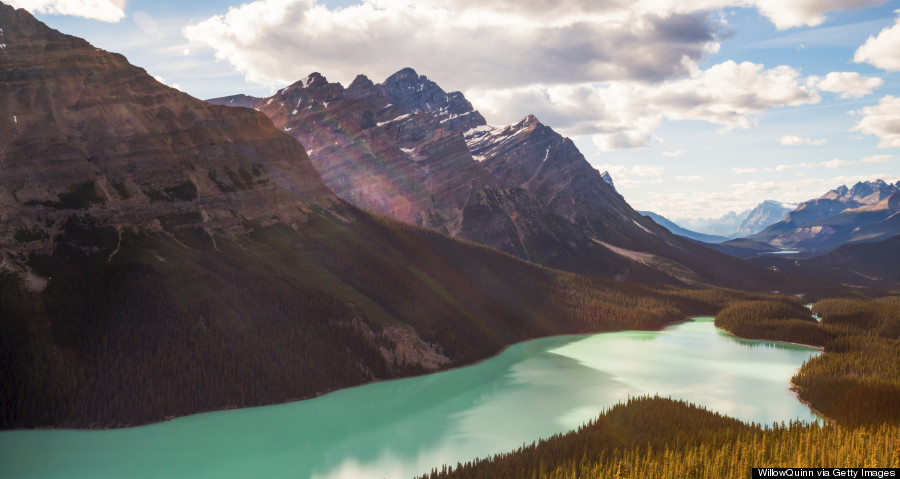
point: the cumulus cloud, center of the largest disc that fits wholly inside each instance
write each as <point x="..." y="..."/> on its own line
<point x="790" y="140"/>
<point x="468" y="43"/>
<point x="883" y="121"/>
<point x="835" y="163"/>
<point x="783" y="168"/>
<point x="673" y="153"/>
<point x="461" y="43"/>
<point x="104" y="10"/>
<point x="624" y="114"/>
<point x="846" y="84"/>
<point x="744" y="171"/>
<point x="794" y="13"/>
<point x="784" y="14"/>
<point x="877" y="159"/>
<point x="608" y="69"/>
<point x="883" y="50"/>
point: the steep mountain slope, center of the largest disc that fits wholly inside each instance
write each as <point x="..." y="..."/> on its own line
<point x="872" y="265"/>
<point x="843" y="215"/>
<point x="407" y="149"/>
<point x="674" y="228"/>
<point x="161" y="256"/>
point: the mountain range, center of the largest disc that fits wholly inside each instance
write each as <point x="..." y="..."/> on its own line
<point x="407" y="149"/>
<point x="732" y="225"/>
<point x="867" y="212"/>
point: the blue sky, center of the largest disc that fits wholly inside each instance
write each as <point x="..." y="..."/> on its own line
<point x="695" y="109"/>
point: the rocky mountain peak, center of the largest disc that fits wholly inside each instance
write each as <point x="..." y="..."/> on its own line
<point x="416" y="93"/>
<point x="608" y="179"/>
<point x="838" y="192"/>
<point x="362" y="87"/>
<point x="870" y="192"/>
<point x="766" y="213"/>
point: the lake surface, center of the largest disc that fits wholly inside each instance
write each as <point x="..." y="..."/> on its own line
<point x="404" y="428"/>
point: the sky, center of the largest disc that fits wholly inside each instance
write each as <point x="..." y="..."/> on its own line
<point x="695" y="108"/>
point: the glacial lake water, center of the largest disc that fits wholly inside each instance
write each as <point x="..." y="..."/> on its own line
<point x="404" y="428"/>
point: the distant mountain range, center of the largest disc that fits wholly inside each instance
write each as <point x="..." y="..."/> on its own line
<point x="407" y="149"/>
<point x="730" y="225"/>
<point x="867" y="212"/>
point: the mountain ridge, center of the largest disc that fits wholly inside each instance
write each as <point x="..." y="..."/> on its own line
<point x="841" y="216"/>
<point x="521" y="188"/>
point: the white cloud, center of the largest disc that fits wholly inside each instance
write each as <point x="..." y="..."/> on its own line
<point x="790" y="140"/>
<point x="783" y="13"/>
<point x="794" y="13"/>
<point x="690" y="179"/>
<point x="612" y="70"/>
<point x="846" y="84"/>
<point x="104" y="10"/>
<point x="744" y="171"/>
<point x="877" y="159"/>
<point x="645" y="170"/>
<point x="883" y="50"/>
<point x="678" y="152"/>
<point x="461" y="43"/>
<point x="782" y="168"/>
<point x="835" y="163"/>
<point x="468" y="43"/>
<point x="633" y="176"/>
<point x="883" y="121"/>
<point x="624" y="114"/>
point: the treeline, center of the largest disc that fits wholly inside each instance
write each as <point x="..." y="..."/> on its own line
<point x="857" y="379"/>
<point x="136" y="327"/>
<point x="780" y="319"/>
<point x="662" y="438"/>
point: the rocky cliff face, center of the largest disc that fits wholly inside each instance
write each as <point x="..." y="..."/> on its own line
<point x="407" y="149"/>
<point x="82" y="130"/>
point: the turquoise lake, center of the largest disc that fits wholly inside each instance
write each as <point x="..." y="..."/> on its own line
<point x="404" y="428"/>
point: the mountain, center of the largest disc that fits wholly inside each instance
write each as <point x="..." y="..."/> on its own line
<point x="765" y="214"/>
<point x="162" y="256"/>
<point x="866" y="212"/>
<point x="725" y="225"/>
<point x="873" y="264"/>
<point x="407" y="149"/>
<point x="674" y="228"/>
